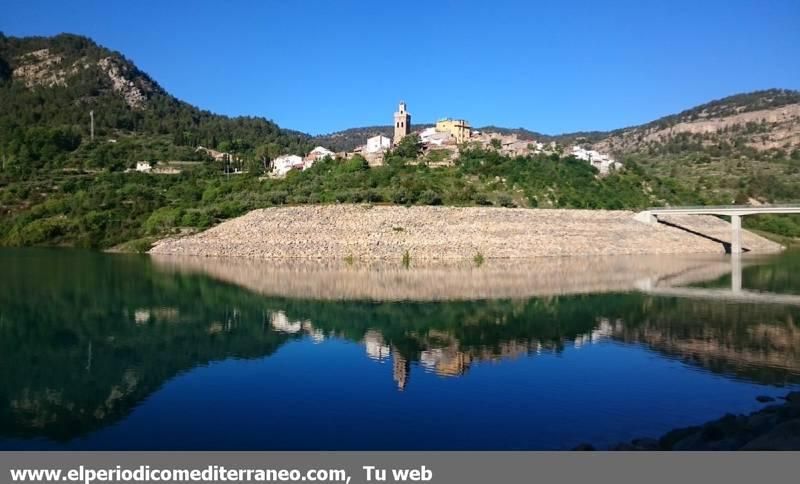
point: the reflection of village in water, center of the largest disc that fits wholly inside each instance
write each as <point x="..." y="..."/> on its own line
<point x="761" y="346"/>
<point x="443" y="355"/>
<point x="766" y="346"/>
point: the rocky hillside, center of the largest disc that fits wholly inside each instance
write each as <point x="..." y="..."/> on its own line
<point x="740" y="125"/>
<point x="49" y="85"/>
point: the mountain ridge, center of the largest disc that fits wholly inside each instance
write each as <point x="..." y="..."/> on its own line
<point x="735" y="104"/>
<point x="100" y="77"/>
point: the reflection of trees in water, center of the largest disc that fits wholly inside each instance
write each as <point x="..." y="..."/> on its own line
<point x="91" y="336"/>
<point x="85" y="338"/>
<point x="758" y="343"/>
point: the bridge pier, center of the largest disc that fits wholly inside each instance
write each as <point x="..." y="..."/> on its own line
<point x="736" y="235"/>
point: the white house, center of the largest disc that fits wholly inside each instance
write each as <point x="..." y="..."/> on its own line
<point x="426" y="134"/>
<point x="603" y="163"/>
<point x="143" y="166"/>
<point x="282" y="164"/>
<point x="319" y="153"/>
<point x="430" y="136"/>
<point x="377" y="144"/>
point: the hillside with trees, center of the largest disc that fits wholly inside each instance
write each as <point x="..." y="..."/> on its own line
<point x="58" y="186"/>
<point x="49" y="86"/>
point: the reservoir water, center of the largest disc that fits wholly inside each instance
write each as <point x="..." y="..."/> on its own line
<point x="109" y="351"/>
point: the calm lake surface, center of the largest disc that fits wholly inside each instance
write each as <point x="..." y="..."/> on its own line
<point x="108" y="351"/>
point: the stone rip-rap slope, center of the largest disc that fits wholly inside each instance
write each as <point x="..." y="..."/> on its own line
<point x="387" y="232"/>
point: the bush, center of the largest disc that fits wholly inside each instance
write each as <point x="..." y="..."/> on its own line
<point x="481" y="199"/>
<point x="374" y="196"/>
<point x="429" y="197"/>
<point x="198" y="219"/>
<point x="277" y="197"/>
<point x="43" y="230"/>
<point x="162" y="220"/>
<point x="505" y="200"/>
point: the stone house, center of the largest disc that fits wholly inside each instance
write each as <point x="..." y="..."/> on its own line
<point x="458" y="128"/>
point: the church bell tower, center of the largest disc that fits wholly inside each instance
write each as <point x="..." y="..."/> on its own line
<point x="402" y="122"/>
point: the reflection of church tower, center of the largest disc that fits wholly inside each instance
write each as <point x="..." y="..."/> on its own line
<point x="401" y="368"/>
<point x="402" y="122"/>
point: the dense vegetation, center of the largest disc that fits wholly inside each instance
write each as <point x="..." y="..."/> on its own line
<point x="58" y="186"/>
<point x="107" y="208"/>
<point x="42" y="125"/>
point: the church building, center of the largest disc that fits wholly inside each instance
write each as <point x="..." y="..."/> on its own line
<point x="402" y="122"/>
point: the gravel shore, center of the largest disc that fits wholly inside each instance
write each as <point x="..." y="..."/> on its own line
<point x="365" y="232"/>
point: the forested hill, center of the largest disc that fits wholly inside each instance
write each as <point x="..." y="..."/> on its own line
<point x="48" y="86"/>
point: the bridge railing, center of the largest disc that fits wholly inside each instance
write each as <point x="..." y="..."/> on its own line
<point x="723" y="207"/>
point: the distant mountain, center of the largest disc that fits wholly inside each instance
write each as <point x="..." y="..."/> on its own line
<point x="49" y="85"/>
<point x="749" y="122"/>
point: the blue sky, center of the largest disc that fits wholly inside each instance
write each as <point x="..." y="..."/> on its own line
<point x="320" y="66"/>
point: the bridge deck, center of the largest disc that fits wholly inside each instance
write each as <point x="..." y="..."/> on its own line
<point x="724" y="210"/>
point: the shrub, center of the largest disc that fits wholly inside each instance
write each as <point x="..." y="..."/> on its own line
<point x="429" y="197"/>
<point x="505" y="200"/>
<point x="481" y="199"/>
<point x="162" y="220"/>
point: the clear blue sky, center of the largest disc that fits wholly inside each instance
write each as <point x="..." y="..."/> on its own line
<point x="557" y="66"/>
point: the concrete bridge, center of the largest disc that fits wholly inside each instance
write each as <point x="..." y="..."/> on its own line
<point x="735" y="212"/>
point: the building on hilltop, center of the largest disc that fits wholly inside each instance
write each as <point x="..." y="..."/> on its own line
<point x="431" y="137"/>
<point x="604" y="163"/>
<point x="216" y="155"/>
<point x="402" y="122"/>
<point x="319" y="153"/>
<point x="283" y="164"/>
<point x="143" y="166"/>
<point x="377" y="144"/>
<point x="458" y="128"/>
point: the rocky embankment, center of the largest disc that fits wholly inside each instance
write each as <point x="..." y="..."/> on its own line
<point x="775" y="427"/>
<point x="427" y="233"/>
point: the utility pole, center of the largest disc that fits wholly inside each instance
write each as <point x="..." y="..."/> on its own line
<point x="91" y="115"/>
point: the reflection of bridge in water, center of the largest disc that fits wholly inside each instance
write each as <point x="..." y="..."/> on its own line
<point x="735" y="294"/>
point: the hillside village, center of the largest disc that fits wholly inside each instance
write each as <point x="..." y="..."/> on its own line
<point x="441" y="145"/>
